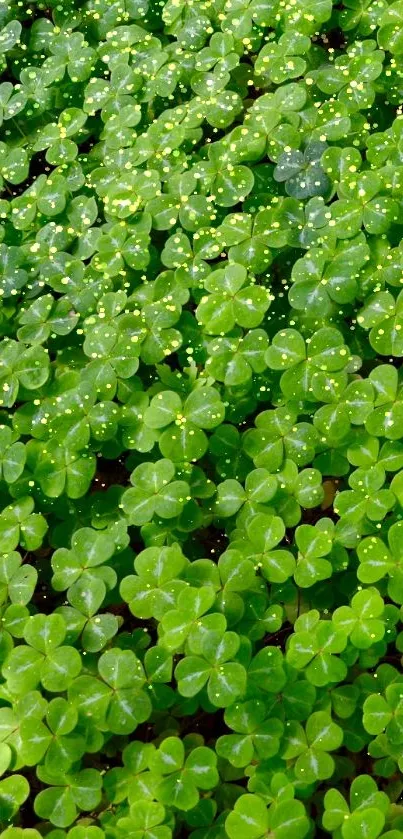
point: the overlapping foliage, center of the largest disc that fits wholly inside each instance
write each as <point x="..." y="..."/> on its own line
<point x="201" y="419"/>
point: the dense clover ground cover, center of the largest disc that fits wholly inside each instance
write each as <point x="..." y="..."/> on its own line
<point x="201" y="419"/>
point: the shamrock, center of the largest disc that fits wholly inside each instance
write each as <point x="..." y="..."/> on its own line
<point x="67" y="794"/>
<point x="76" y="416"/>
<point x="311" y="746"/>
<point x="156" y="588"/>
<point x="192" y="604"/>
<point x="314" y="543"/>
<point x="154" y="328"/>
<point x="378" y="561"/>
<point x="89" y="551"/>
<point x="183" y="437"/>
<point x="12" y="455"/>
<point x="361" y="621"/>
<point x="180" y="202"/>
<point x="114" y="355"/>
<point x="382" y="314"/>
<point x="234" y="359"/>
<point x="225" y="678"/>
<point x="251" y="816"/>
<point x="14" y="791"/>
<point x="146" y="816"/>
<point x="351" y="76"/>
<point x="17" y="581"/>
<point x="54" y="741"/>
<point x="43" y="658"/>
<point x="351" y="407"/>
<point x="112" y="94"/>
<point x="219" y="53"/>
<point x="20" y="525"/>
<point x="135" y="434"/>
<point x="81" y="617"/>
<point x="277" y="435"/>
<point x="386" y="416"/>
<point x="154" y="491"/>
<point x="230" y="184"/>
<point x="232" y="301"/>
<point x="133" y="780"/>
<point x="263" y="534"/>
<point x="309" y="367"/>
<point x="266" y="671"/>
<point x="389" y="29"/>
<point x="256" y="735"/>
<point x="12" y="276"/>
<point x="201" y="431"/>
<point x="385" y="713"/>
<point x="249" y="238"/>
<point x="260" y="487"/>
<point x="28" y="368"/>
<point x="180" y="778"/>
<point x="368" y="808"/>
<point x="47" y="196"/>
<point x="303" y="173"/>
<point x="314" y="648"/>
<point x="123" y="243"/>
<point x="43" y="318"/>
<point x="14" y="165"/>
<point x="323" y="279"/>
<point x="240" y="17"/>
<point x="281" y="61"/>
<point x="115" y="698"/>
<point x="11" y="101"/>
<point x="72" y="54"/>
<point x="56" y="137"/>
<point x="58" y="468"/>
<point x="361" y="204"/>
<point x="362" y="18"/>
<point x="231" y="578"/>
<point x="295" y="490"/>
<point x="367" y="498"/>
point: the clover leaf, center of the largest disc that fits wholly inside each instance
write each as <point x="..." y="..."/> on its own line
<point x="183" y="437"/>
<point x="313" y="543"/>
<point x="55" y="741"/>
<point x="232" y="301"/>
<point x="263" y="534"/>
<point x="154" y="491"/>
<point x="67" y="794"/>
<point x="305" y="366"/>
<point x="116" y="698"/>
<point x="321" y="736"/>
<point x="146" y="817"/>
<point x="179" y="779"/>
<point x="302" y="173"/>
<point x="225" y="679"/>
<point x="20" y="525"/>
<point x="155" y="589"/>
<point x="368" y="807"/>
<point x="277" y="436"/>
<point x="255" y="734"/>
<point x="315" y="649"/>
<point x="252" y="817"/>
<point x="44" y="659"/>
<point x="89" y="551"/>
<point x="361" y="620"/>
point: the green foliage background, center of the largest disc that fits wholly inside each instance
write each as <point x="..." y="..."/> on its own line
<point x="201" y="419"/>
